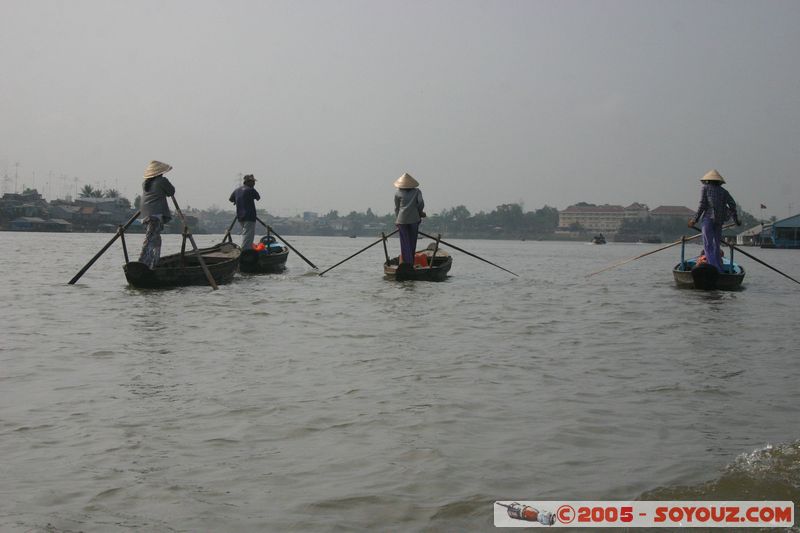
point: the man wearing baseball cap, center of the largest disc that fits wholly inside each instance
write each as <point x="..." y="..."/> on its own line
<point x="245" y="199"/>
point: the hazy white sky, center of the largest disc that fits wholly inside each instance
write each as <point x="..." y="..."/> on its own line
<point x="328" y="102"/>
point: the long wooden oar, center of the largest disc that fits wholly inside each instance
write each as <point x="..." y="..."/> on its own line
<point x="269" y="228"/>
<point x="453" y="246"/>
<point x="624" y="261"/>
<point x="207" y="272"/>
<point x="383" y="238"/>
<point x="120" y="231"/>
<point x="757" y="260"/>
<point x="227" y="235"/>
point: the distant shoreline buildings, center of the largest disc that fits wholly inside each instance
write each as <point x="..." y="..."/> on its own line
<point x="29" y="211"/>
<point x="609" y="219"/>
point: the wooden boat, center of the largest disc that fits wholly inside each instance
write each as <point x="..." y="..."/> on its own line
<point x="695" y="273"/>
<point x="267" y="259"/>
<point x="422" y="269"/>
<point x="706" y="277"/>
<point x="179" y="270"/>
<point x="598" y="239"/>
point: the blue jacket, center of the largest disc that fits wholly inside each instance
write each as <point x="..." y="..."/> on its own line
<point x="717" y="204"/>
<point x="245" y="199"/>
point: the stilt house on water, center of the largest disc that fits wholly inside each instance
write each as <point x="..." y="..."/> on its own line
<point x="785" y="234"/>
<point x="752" y="236"/>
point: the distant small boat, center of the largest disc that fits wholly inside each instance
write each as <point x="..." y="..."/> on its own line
<point x="598" y="239"/>
<point x="695" y="273"/>
<point x="269" y="257"/>
<point x="179" y="270"/>
<point x="421" y="270"/>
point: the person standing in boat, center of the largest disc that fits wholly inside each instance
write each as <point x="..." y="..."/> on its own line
<point x="408" y="210"/>
<point x="154" y="210"/>
<point x="245" y="199"/>
<point x="716" y="207"/>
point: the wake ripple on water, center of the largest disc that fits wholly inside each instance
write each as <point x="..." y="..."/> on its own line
<point x="771" y="473"/>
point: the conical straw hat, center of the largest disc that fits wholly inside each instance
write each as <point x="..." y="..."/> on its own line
<point x="156" y="168"/>
<point x="406" y="182"/>
<point x="713" y="175"/>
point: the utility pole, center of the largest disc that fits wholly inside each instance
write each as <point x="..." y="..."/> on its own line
<point x="16" y="176"/>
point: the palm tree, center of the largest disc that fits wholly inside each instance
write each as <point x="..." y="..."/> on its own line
<point x="87" y="192"/>
<point x="112" y="193"/>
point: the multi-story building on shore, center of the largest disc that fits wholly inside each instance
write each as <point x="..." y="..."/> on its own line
<point x="599" y="218"/>
<point x="609" y="218"/>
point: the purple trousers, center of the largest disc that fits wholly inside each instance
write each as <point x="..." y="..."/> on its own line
<point x="408" y="241"/>
<point x="712" y="239"/>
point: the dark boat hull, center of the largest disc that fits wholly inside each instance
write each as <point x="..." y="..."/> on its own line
<point x="706" y="277"/>
<point x="254" y="262"/>
<point x="437" y="272"/>
<point x="222" y="261"/>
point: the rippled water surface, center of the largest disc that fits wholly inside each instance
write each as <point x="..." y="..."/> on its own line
<point x="295" y="402"/>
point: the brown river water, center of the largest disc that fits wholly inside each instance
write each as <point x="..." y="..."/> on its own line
<point x="347" y="402"/>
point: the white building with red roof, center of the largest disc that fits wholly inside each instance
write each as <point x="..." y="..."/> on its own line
<point x="599" y="218"/>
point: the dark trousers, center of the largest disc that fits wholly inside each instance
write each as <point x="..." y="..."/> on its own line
<point x="151" y="247"/>
<point x="408" y="241"/>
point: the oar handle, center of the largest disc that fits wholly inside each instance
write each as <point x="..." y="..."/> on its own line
<point x="269" y="228"/>
<point x="466" y="252"/>
<point x="209" y="277"/>
<point x="120" y="231"/>
<point x="228" y="231"/>
<point x="383" y="238"/>
<point x="757" y="260"/>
